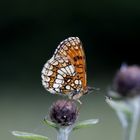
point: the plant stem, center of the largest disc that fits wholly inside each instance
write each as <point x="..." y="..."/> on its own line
<point x="130" y="121"/>
<point x="63" y="133"/>
<point x="128" y="111"/>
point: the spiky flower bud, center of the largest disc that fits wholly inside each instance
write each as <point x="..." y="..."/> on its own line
<point x="127" y="81"/>
<point x="64" y="112"/>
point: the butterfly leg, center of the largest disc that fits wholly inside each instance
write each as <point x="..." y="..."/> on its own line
<point x="79" y="102"/>
<point x="75" y="96"/>
<point x="71" y="98"/>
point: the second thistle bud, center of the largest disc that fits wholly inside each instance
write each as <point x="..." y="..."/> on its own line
<point x="64" y="112"/>
<point x="127" y="81"/>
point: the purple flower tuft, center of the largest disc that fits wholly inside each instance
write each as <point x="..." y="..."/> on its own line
<point x="127" y="81"/>
<point x="64" y="112"/>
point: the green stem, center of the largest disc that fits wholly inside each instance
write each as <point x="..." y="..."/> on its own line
<point x="128" y="111"/>
<point x="126" y="133"/>
<point x="130" y="121"/>
<point x="63" y="133"/>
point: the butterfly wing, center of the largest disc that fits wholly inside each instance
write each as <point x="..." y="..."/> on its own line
<point x="59" y="76"/>
<point x="65" y="72"/>
<point x="73" y="50"/>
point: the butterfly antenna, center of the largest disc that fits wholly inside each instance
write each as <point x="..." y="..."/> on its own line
<point x="91" y="89"/>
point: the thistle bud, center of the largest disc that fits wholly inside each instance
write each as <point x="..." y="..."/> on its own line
<point x="64" y="112"/>
<point x="127" y="81"/>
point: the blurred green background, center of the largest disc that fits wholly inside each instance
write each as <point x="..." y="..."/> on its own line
<point x="30" y="30"/>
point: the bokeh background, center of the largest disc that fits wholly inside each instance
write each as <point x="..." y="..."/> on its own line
<point x="30" y="30"/>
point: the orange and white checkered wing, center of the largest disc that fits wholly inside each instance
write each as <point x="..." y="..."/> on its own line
<point x="72" y="49"/>
<point x="65" y="72"/>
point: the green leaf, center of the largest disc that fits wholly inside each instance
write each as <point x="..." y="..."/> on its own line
<point x="119" y="106"/>
<point x="114" y="95"/>
<point x="85" y="123"/>
<point x="50" y="123"/>
<point x="28" y="136"/>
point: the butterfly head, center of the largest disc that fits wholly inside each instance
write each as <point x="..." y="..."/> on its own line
<point x="88" y="90"/>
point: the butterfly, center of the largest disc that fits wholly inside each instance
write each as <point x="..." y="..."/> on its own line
<point x="65" y="72"/>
